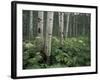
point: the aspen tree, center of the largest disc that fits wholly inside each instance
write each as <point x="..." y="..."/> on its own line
<point x="40" y="24"/>
<point x="49" y="27"/>
<point x="40" y="30"/>
<point x="74" y="26"/>
<point x="67" y="23"/>
<point x="61" y="26"/>
<point x="31" y="25"/>
<point x="83" y="23"/>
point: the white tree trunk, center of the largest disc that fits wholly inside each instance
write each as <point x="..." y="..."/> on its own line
<point x="61" y="26"/>
<point x="31" y="26"/>
<point x="40" y="24"/>
<point x="49" y="27"/>
<point x="39" y="37"/>
<point x="67" y="24"/>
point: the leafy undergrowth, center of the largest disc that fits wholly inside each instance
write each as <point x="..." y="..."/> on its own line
<point x="75" y="52"/>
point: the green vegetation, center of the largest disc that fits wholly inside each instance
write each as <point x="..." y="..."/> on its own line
<point x="74" y="52"/>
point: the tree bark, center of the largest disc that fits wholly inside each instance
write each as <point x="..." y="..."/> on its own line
<point x="83" y="24"/>
<point x="74" y="27"/>
<point x="31" y="26"/>
<point x="76" y="24"/>
<point x="67" y="24"/>
<point x="49" y="27"/>
<point x="40" y="24"/>
<point x="61" y="26"/>
<point x="39" y="37"/>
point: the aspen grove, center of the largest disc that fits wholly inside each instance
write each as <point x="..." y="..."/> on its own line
<point x="55" y="39"/>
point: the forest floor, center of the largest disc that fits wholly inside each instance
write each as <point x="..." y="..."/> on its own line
<point x="75" y="52"/>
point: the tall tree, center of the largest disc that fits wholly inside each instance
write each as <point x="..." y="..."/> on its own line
<point x="67" y="23"/>
<point x="71" y="25"/>
<point x="83" y="23"/>
<point x="61" y="26"/>
<point x="40" y="24"/>
<point x="31" y="25"/>
<point x="88" y="23"/>
<point x="40" y="21"/>
<point x="74" y="26"/>
<point x="49" y="27"/>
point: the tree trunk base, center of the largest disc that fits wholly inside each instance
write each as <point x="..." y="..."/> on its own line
<point x="48" y="60"/>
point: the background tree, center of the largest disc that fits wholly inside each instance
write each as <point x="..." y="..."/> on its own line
<point x="61" y="26"/>
<point x="31" y="26"/>
<point x="67" y="23"/>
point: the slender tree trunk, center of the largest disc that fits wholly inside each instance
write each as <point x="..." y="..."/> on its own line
<point x="83" y="23"/>
<point x="49" y="27"/>
<point x="31" y="26"/>
<point x="88" y="23"/>
<point x="67" y="24"/>
<point x="71" y="24"/>
<point x="40" y="24"/>
<point x="76" y="24"/>
<point x="80" y="25"/>
<point x="61" y="26"/>
<point x="40" y="41"/>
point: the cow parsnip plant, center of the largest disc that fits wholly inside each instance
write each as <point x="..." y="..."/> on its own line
<point x="75" y="52"/>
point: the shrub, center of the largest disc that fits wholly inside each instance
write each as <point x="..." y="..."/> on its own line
<point x="75" y="52"/>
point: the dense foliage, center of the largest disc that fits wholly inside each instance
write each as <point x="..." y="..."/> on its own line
<point x="74" y="52"/>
